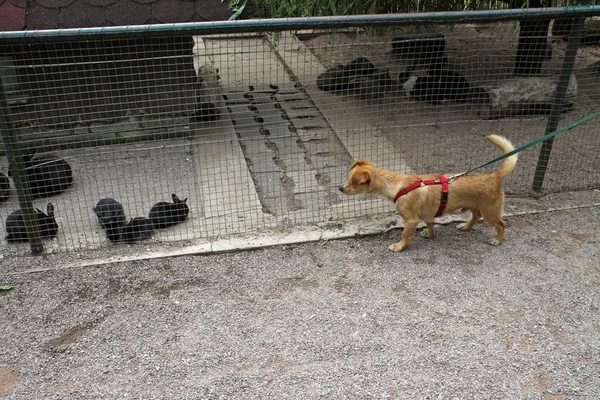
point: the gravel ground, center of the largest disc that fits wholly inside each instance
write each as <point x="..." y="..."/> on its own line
<point x="449" y="318"/>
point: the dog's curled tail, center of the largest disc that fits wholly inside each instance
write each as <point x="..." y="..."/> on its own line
<point x="506" y="146"/>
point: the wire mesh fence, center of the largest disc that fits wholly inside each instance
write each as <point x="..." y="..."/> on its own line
<point x="197" y="133"/>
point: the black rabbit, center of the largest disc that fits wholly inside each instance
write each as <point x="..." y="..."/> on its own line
<point x="443" y="85"/>
<point x="139" y="228"/>
<point x="15" y="224"/>
<point x="424" y="88"/>
<point x="111" y="216"/>
<point x="334" y="79"/>
<point x="4" y="187"/>
<point x="165" y="214"/>
<point x="47" y="174"/>
<point x="360" y="66"/>
<point x="454" y="86"/>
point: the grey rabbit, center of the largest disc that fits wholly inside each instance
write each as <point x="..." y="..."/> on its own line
<point x="15" y="224"/>
<point x="111" y="216"/>
<point x="165" y="214"/>
<point x="138" y="228"/>
<point x="4" y="187"/>
<point x="47" y="174"/>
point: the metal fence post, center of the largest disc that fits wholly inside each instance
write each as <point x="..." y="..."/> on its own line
<point x="558" y="101"/>
<point x="19" y="176"/>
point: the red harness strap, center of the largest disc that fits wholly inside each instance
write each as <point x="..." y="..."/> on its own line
<point x="420" y="182"/>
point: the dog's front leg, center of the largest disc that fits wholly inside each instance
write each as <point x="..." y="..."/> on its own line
<point x="409" y="230"/>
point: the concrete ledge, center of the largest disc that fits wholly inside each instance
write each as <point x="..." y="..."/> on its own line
<point x="319" y="233"/>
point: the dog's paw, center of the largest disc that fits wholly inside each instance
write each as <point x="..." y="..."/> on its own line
<point x="397" y="247"/>
<point x="463" y="227"/>
<point x="495" y="242"/>
<point x="427" y="234"/>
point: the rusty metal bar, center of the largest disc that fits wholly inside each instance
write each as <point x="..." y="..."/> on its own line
<point x="558" y="101"/>
<point x="19" y="175"/>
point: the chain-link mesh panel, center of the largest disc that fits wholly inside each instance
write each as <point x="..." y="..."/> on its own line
<point x="443" y="91"/>
<point x="182" y="137"/>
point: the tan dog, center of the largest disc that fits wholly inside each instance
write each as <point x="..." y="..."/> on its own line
<point x="480" y="193"/>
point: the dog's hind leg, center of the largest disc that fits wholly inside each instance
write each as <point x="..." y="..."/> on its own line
<point x="427" y="233"/>
<point x="494" y="218"/>
<point x="475" y="215"/>
<point x="410" y="226"/>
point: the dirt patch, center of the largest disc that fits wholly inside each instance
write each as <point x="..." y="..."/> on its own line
<point x="62" y="342"/>
<point x="9" y="379"/>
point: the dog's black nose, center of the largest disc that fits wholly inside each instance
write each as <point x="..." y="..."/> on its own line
<point x="341" y="188"/>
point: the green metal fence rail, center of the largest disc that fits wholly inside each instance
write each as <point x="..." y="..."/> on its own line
<point x="287" y="24"/>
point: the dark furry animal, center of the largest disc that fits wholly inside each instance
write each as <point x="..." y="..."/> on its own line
<point x="360" y="66"/>
<point x="341" y="77"/>
<point x="424" y="88"/>
<point x="137" y="229"/>
<point x="420" y="49"/>
<point x="15" y="224"/>
<point x="334" y="79"/>
<point x="111" y="217"/>
<point x="164" y="215"/>
<point x="453" y="86"/>
<point x="47" y="174"/>
<point x="359" y="77"/>
<point x="207" y="89"/>
<point x="442" y="85"/>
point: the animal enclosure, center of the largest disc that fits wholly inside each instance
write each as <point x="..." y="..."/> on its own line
<point x="197" y="131"/>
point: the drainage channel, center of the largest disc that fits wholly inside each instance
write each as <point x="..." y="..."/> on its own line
<point x="295" y="160"/>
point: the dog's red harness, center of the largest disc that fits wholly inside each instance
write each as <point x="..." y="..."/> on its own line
<point x="420" y="182"/>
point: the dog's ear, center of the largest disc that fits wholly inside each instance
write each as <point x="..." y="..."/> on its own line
<point x="360" y="163"/>
<point x="361" y="177"/>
